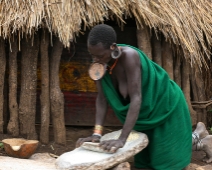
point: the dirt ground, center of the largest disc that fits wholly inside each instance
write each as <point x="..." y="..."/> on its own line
<point x="75" y="132"/>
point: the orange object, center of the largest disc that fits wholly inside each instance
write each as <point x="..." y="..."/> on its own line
<point x="112" y="67"/>
<point x="20" y="148"/>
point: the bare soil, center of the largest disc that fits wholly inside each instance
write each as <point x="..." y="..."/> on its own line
<point x="73" y="133"/>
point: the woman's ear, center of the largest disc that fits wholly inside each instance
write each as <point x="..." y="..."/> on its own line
<point x="113" y="46"/>
<point x="116" y="52"/>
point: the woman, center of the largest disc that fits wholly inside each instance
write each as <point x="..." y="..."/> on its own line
<point x="144" y="98"/>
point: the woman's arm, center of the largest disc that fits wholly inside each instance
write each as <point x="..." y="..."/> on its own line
<point x="101" y="105"/>
<point x="101" y="110"/>
<point x="132" y="66"/>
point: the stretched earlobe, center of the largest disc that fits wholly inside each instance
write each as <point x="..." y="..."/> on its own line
<point x="116" y="53"/>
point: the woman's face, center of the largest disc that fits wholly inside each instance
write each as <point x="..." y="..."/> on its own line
<point x="99" y="53"/>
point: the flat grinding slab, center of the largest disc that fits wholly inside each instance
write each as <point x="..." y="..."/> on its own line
<point x="82" y="159"/>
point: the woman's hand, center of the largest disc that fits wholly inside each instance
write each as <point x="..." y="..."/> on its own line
<point x="93" y="138"/>
<point x="112" y="145"/>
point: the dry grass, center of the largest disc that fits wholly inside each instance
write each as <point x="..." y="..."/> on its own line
<point x="185" y="23"/>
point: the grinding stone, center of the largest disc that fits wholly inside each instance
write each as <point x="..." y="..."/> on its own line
<point x="82" y="159"/>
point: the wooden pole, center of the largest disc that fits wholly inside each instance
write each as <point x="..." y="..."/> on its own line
<point x="144" y="41"/>
<point x="27" y="107"/>
<point x="56" y="96"/>
<point x="167" y="58"/>
<point x="13" y="125"/>
<point x="186" y="89"/>
<point x="198" y="89"/>
<point x="44" y="97"/>
<point x="2" y="76"/>
<point x="177" y="68"/>
<point x="157" y="49"/>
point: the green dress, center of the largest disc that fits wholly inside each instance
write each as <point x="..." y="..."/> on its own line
<point x="164" y="117"/>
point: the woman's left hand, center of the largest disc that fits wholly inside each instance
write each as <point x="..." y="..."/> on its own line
<point x="112" y="145"/>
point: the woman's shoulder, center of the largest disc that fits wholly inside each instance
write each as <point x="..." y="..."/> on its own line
<point x="129" y="52"/>
<point x="129" y="57"/>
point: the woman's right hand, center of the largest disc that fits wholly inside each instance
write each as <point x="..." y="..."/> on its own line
<point x="93" y="138"/>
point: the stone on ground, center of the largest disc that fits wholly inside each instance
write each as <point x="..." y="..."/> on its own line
<point x="82" y="159"/>
<point x="122" y="166"/>
<point x="10" y="163"/>
<point x="206" y="167"/>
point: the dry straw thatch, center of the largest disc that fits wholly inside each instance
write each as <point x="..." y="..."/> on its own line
<point x="186" y="23"/>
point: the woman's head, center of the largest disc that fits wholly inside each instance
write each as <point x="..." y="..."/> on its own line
<point x="101" y="42"/>
<point x="102" y="33"/>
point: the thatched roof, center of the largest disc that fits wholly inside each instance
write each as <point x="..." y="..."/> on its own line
<point x="186" y="22"/>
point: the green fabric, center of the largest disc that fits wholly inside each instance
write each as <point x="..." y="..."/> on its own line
<point x="164" y="117"/>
